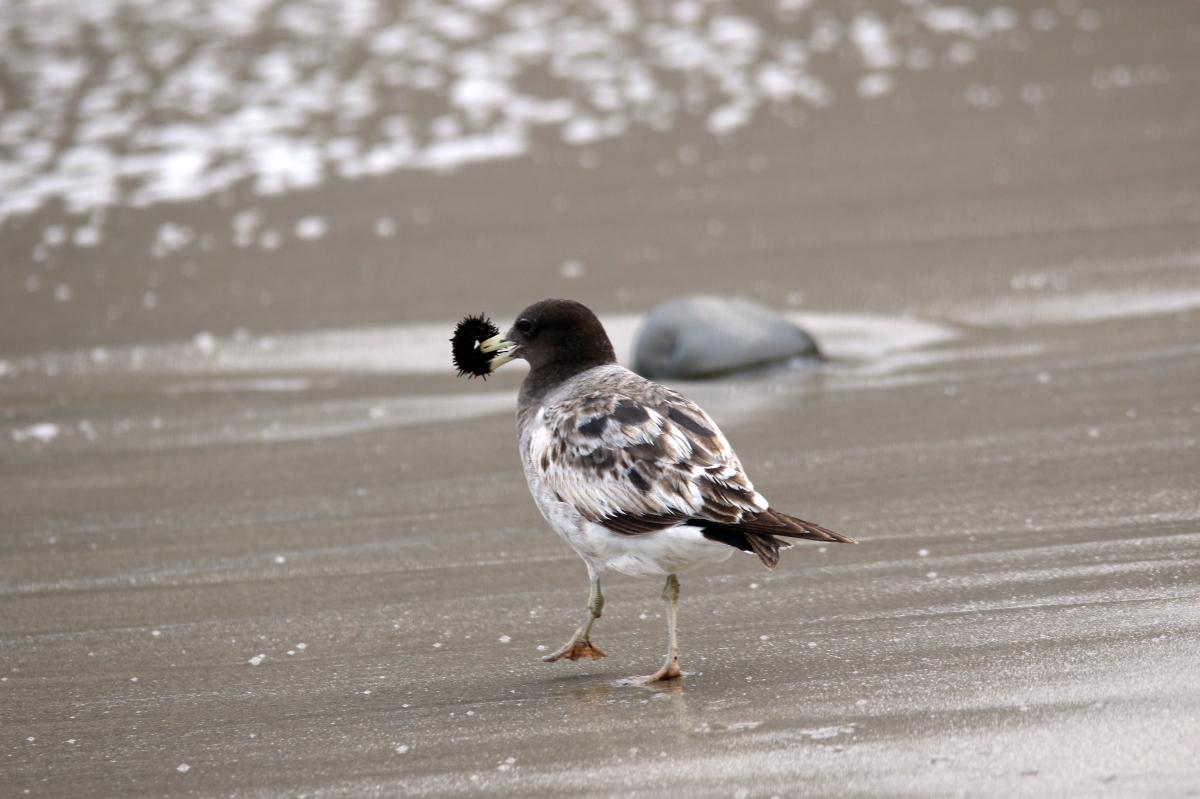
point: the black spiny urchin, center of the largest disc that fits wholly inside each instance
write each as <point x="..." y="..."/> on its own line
<point x="469" y="360"/>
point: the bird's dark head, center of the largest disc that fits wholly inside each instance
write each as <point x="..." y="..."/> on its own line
<point x="561" y="334"/>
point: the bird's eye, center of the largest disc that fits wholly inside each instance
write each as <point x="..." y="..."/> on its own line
<point x="524" y="326"/>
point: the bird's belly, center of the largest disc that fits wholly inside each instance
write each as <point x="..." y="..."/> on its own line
<point x="670" y="551"/>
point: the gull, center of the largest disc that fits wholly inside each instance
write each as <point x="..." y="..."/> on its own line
<point x="635" y="477"/>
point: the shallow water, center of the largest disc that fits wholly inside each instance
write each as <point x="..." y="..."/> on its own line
<point x="257" y="539"/>
<point x="138" y="102"/>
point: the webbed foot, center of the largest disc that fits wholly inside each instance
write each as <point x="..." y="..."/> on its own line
<point x="576" y="649"/>
<point x="669" y="671"/>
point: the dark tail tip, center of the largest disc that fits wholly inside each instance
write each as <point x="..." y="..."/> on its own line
<point x="809" y="530"/>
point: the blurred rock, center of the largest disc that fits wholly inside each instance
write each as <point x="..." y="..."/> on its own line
<point x="697" y="337"/>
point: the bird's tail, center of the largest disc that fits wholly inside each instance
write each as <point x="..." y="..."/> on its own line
<point x="791" y="527"/>
<point x="758" y="533"/>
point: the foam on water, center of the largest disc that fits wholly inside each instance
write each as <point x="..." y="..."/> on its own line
<point x="868" y="352"/>
<point x="298" y="363"/>
<point x="422" y="348"/>
<point x="140" y="102"/>
<point x="1089" y="306"/>
<point x="299" y="421"/>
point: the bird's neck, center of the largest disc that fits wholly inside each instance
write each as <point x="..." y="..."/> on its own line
<point x="546" y="377"/>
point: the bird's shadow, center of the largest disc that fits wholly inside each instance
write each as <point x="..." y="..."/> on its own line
<point x="597" y="697"/>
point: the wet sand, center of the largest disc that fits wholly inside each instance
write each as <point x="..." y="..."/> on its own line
<point x="251" y="545"/>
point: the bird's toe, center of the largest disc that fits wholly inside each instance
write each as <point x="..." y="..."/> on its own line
<point x="576" y="650"/>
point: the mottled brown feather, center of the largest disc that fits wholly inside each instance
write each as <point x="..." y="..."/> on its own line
<point x="637" y="458"/>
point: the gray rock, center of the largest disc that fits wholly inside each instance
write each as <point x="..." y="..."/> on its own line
<point x="700" y="336"/>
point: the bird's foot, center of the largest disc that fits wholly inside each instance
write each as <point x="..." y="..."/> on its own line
<point x="669" y="671"/>
<point x="575" y="649"/>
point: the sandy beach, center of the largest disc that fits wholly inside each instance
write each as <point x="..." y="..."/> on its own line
<point x="256" y="538"/>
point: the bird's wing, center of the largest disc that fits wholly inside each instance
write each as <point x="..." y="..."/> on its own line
<point x="636" y="457"/>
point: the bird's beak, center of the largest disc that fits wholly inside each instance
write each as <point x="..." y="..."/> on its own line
<point x="505" y="350"/>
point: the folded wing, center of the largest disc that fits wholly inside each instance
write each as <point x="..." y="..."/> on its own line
<point x="640" y="457"/>
<point x="637" y="457"/>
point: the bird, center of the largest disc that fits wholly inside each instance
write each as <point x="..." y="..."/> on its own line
<point x="634" y="476"/>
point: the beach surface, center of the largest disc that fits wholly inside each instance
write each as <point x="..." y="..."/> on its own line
<point x="256" y="539"/>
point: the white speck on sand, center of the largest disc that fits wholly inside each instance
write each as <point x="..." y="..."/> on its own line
<point x="257" y="659"/>
<point x="302" y="646"/>
<point x="156" y="633"/>
<point x="730" y="117"/>
<point x="55" y="235"/>
<point x="280" y="559"/>
<point x="44" y="432"/>
<point x="875" y="84"/>
<point x="572" y="270"/>
<point x="244" y="224"/>
<point x="385" y="227"/>
<point x="183" y="768"/>
<point x="922" y="553"/>
<point x="204" y="342"/>
<point x="169" y="238"/>
<point x="311" y="227"/>
<point x="402" y="749"/>
<point x="504" y="639"/>
<point x="86" y="236"/>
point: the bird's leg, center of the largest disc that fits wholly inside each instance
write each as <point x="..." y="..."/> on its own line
<point x="670" y="667"/>
<point x="580" y="645"/>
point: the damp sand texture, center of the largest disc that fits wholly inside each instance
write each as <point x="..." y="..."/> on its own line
<point x="257" y="539"/>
